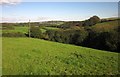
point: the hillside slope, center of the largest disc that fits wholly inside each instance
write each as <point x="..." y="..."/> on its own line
<point x="106" y="26"/>
<point x="28" y="56"/>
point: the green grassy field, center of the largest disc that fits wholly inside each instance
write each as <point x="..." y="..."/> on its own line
<point x="28" y="56"/>
<point x="105" y="26"/>
<point x="25" y="29"/>
<point x="44" y="29"/>
<point x="17" y="29"/>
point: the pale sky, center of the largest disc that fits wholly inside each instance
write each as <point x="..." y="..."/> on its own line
<point x="46" y="11"/>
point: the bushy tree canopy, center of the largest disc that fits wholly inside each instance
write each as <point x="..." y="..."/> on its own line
<point x="35" y="32"/>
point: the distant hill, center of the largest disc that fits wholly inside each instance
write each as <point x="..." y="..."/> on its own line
<point x="111" y="18"/>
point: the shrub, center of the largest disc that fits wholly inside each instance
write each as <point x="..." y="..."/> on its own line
<point x="35" y="32"/>
<point x="103" y="40"/>
<point x="17" y="34"/>
<point x="50" y="34"/>
<point x="112" y="40"/>
<point x="7" y="26"/>
<point x="58" y="36"/>
<point x="82" y="35"/>
<point x="71" y="36"/>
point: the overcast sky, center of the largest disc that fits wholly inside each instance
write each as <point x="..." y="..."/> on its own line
<point x="66" y="11"/>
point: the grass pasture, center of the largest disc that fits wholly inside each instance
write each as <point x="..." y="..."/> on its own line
<point x="106" y="26"/>
<point x="17" y="29"/>
<point x="28" y="56"/>
<point x="44" y="29"/>
<point x="25" y="29"/>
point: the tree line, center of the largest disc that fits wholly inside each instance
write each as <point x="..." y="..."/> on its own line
<point x="81" y="33"/>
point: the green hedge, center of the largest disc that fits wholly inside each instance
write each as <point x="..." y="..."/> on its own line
<point x="16" y="34"/>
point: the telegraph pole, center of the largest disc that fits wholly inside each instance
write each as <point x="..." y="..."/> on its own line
<point x="29" y="28"/>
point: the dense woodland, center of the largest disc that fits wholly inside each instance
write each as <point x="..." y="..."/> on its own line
<point x="94" y="32"/>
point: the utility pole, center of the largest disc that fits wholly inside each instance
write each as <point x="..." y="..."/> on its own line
<point x="29" y="27"/>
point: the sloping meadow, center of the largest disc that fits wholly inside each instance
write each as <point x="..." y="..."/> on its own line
<point x="29" y="56"/>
